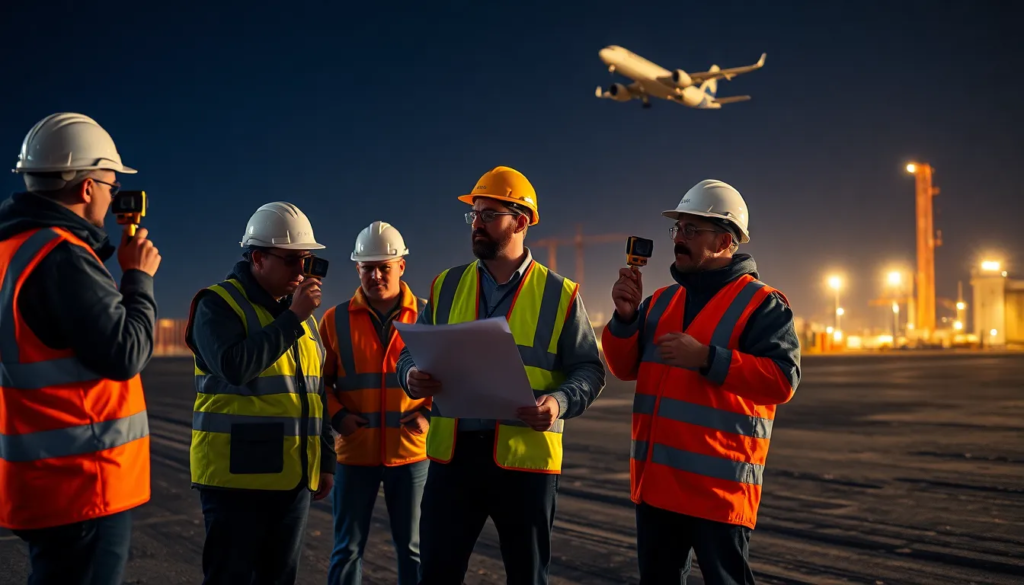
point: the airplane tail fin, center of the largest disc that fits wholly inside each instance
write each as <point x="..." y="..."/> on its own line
<point x="710" y="86"/>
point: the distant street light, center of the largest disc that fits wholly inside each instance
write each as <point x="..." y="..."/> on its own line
<point x="836" y="283"/>
<point x="895" y="278"/>
<point x="911" y="168"/>
<point x="990" y="265"/>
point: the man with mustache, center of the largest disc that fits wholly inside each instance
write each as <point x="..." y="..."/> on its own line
<point x="713" y="354"/>
<point x="382" y="431"/>
<point x="506" y="470"/>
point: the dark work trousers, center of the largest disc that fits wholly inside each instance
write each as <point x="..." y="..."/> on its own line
<point x="91" y="552"/>
<point x="461" y="494"/>
<point x="664" y="540"/>
<point x="253" y="536"/>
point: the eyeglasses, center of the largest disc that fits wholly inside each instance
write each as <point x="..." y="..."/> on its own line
<point x="487" y="215"/>
<point x="114" y="187"/>
<point x="290" y="261"/>
<point x="689" y="230"/>
<point x="368" y="269"/>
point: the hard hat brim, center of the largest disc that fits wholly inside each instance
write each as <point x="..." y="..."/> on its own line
<point x="257" y="243"/>
<point x="377" y="257"/>
<point x="534" y="216"/>
<point x="675" y="213"/>
<point x="53" y="169"/>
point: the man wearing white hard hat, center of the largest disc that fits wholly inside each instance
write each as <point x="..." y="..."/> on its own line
<point x="261" y="442"/>
<point x="74" y="433"/>
<point x="381" y="431"/>
<point x="713" y="355"/>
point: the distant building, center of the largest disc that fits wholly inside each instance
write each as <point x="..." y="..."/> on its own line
<point x="998" y="306"/>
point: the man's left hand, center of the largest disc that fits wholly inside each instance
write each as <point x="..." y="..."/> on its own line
<point x="326" y="483"/>
<point x="682" y="351"/>
<point x="416" y="423"/>
<point x="541" y="417"/>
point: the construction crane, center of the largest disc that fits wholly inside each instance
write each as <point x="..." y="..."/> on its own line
<point x="579" y="241"/>
<point x="927" y="240"/>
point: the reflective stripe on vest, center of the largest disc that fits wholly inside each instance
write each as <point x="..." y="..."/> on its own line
<point x="536" y="319"/>
<point x="682" y="422"/>
<point x="50" y="473"/>
<point x="231" y="424"/>
<point x="368" y="386"/>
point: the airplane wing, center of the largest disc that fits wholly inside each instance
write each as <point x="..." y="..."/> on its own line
<point x="703" y="76"/>
<point x="732" y="99"/>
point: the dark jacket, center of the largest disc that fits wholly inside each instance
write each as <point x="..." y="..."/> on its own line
<point x="769" y="332"/>
<point x="223" y="349"/>
<point x="71" y="301"/>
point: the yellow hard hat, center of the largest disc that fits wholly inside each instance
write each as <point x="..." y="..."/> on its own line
<point x="508" y="185"/>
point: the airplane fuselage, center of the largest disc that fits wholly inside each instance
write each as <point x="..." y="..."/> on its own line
<point x="654" y="80"/>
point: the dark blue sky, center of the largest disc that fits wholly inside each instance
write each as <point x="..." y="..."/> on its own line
<point x="357" y="114"/>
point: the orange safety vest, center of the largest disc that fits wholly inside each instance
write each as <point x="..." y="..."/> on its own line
<point x="698" y="449"/>
<point x="368" y="385"/>
<point x="73" y="445"/>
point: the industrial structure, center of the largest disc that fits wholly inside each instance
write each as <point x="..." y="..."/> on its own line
<point x="580" y="241"/>
<point x="927" y="240"/>
<point x="998" y="306"/>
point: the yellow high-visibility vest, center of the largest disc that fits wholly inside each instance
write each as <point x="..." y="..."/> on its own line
<point x="538" y="314"/>
<point x="234" y="427"/>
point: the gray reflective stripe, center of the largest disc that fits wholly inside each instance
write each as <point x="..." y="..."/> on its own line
<point x="252" y="320"/>
<point x="260" y="386"/>
<point x="538" y="357"/>
<point x="342" y="330"/>
<point x="638" y="450"/>
<point x="19" y="262"/>
<point x="713" y="418"/>
<point x="644" y="403"/>
<point x="393" y="420"/>
<point x="45" y="374"/>
<point x="219" y="422"/>
<point x="725" y="326"/>
<point x="558" y="427"/>
<point x="315" y="332"/>
<point x="352" y="382"/>
<point x="445" y="298"/>
<point x="716" y="467"/>
<point x="651" y="323"/>
<point x="548" y="315"/>
<point x="80" y="440"/>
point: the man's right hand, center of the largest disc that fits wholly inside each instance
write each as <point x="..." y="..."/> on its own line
<point x="627" y="293"/>
<point x="421" y="384"/>
<point x="351" y="423"/>
<point x="138" y="253"/>
<point x="306" y="298"/>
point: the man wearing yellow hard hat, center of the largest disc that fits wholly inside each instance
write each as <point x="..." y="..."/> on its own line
<point x="503" y="469"/>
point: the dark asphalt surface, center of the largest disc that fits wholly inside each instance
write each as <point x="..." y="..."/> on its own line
<point x="883" y="469"/>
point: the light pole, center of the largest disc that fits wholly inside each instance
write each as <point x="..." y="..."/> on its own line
<point x="835" y="283"/>
<point x="895" y="321"/>
<point x="895" y="280"/>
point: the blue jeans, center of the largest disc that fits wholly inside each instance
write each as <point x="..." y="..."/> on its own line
<point x="84" y="553"/>
<point x="355" y="491"/>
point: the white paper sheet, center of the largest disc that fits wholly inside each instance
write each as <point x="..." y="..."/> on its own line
<point x="477" y="363"/>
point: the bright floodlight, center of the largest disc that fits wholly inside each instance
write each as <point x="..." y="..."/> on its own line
<point x="911" y="168"/>
<point x="895" y="278"/>
<point x="835" y="282"/>
<point x="990" y="265"/>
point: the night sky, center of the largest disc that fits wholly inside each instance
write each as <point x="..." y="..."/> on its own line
<point x="358" y="114"/>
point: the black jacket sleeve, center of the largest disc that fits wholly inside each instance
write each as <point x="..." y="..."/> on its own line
<point x="71" y="301"/>
<point x="220" y="340"/>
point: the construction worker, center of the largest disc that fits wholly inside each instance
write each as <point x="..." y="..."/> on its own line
<point x="260" y="436"/>
<point x="381" y="431"/>
<point x="74" y="434"/>
<point x="713" y="354"/>
<point x="506" y="470"/>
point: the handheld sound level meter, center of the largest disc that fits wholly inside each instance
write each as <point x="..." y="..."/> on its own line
<point x="638" y="250"/>
<point x="130" y="208"/>
<point x="314" y="267"/>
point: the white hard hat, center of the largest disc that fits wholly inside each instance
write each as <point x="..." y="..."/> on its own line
<point x="68" y="142"/>
<point x="377" y="242"/>
<point x="280" y="225"/>
<point x="717" y="200"/>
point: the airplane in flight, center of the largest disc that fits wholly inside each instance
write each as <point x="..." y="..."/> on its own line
<point x="696" y="90"/>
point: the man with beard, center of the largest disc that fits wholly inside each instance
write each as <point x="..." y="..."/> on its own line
<point x="713" y="354"/>
<point x="381" y="431"/>
<point x="503" y="469"/>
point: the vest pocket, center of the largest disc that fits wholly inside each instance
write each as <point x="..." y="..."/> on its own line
<point x="257" y="448"/>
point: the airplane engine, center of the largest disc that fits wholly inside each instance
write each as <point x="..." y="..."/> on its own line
<point x="619" y="92"/>
<point x="681" y="79"/>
